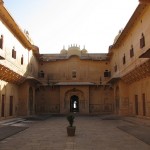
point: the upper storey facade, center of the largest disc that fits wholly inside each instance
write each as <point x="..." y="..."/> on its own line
<point x="16" y="49"/>
<point x="73" y="65"/>
<point x="131" y="46"/>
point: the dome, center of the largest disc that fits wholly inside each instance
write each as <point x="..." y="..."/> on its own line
<point x="63" y="51"/>
<point x="116" y="38"/>
<point x="84" y="51"/>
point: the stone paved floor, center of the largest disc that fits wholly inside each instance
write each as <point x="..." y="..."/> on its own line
<point x="92" y="133"/>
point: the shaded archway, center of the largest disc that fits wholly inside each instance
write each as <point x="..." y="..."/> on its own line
<point x="74" y="103"/>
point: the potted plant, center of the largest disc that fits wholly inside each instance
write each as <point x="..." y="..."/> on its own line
<point x="71" y="129"/>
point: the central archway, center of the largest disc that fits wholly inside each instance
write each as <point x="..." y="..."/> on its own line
<point x="74" y="103"/>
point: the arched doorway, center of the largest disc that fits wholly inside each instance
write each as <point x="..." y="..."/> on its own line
<point x="74" y="103"/>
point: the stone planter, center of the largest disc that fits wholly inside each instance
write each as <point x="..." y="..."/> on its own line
<point x="71" y="130"/>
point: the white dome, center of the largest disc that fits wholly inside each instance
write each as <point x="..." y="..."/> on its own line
<point x="84" y="51"/>
<point x="116" y="38"/>
<point x="63" y="51"/>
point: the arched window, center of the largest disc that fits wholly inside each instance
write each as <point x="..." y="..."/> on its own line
<point x="131" y="51"/>
<point x="41" y="74"/>
<point x="74" y="74"/>
<point x="13" y="53"/>
<point x="124" y="59"/>
<point x="22" y="60"/>
<point x="1" y="42"/>
<point x="115" y="68"/>
<point x="142" y="41"/>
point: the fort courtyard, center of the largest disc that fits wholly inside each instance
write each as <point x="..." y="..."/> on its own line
<point x="109" y="93"/>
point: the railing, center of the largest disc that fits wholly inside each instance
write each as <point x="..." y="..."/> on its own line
<point x="48" y="109"/>
<point x="127" y="68"/>
<point x="130" y="66"/>
<point x="101" y="108"/>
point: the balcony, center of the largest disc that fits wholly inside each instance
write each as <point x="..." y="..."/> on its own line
<point x="146" y="54"/>
<point x="139" y="72"/>
<point x="9" y="75"/>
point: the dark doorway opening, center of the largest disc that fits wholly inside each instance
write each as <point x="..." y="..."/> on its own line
<point x="144" y="104"/>
<point x="74" y="103"/>
<point x="136" y="105"/>
<point x="11" y="106"/>
<point x="31" y="103"/>
<point x="3" y="106"/>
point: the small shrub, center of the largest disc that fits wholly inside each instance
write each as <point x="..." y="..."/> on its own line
<point x="70" y="119"/>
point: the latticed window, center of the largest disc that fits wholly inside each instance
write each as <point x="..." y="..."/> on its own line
<point x="142" y="41"/>
<point x="107" y="73"/>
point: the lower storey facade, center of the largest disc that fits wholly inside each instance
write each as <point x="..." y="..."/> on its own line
<point x="119" y="98"/>
<point x="81" y="99"/>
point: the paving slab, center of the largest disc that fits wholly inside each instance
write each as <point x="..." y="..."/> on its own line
<point x="92" y="133"/>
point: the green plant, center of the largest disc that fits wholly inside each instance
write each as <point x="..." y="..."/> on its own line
<point x="70" y="119"/>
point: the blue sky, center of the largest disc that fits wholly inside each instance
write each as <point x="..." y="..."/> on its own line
<point x="53" y="24"/>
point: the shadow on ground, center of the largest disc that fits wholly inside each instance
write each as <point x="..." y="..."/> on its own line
<point x="140" y="132"/>
<point x="8" y="131"/>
